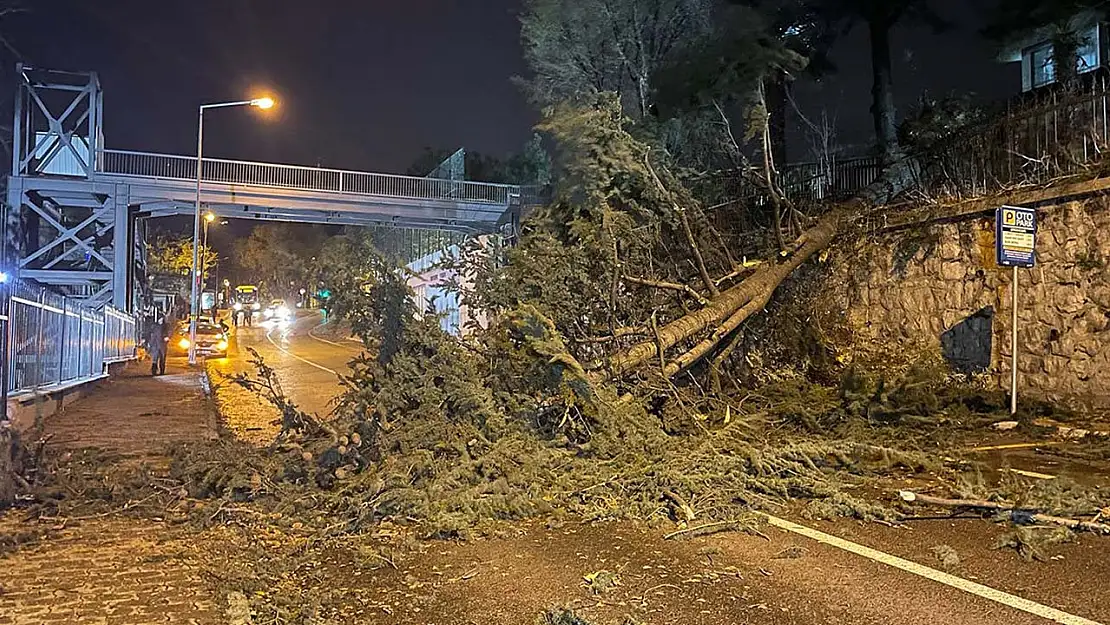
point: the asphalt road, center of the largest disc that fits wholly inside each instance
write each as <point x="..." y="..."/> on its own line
<point x="308" y="367"/>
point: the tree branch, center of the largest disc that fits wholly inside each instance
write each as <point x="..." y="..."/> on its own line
<point x="673" y="286"/>
<point x="694" y="249"/>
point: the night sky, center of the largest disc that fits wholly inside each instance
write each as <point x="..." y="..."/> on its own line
<point x="367" y="84"/>
<point x="360" y="84"/>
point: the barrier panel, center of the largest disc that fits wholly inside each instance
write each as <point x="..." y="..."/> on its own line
<point x="55" y="341"/>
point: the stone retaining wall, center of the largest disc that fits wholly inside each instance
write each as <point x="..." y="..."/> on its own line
<point x="938" y="287"/>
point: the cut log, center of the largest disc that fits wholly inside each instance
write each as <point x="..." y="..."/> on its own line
<point x="730" y="308"/>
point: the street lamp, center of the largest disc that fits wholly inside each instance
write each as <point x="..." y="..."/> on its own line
<point x="194" y="299"/>
<point x="208" y="218"/>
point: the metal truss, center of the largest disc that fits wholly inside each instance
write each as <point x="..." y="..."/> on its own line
<point x="57" y="128"/>
<point x="73" y="235"/>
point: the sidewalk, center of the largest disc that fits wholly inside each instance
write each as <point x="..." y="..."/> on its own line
<point x="135" y="414"/>
<point x="114" y="569"/>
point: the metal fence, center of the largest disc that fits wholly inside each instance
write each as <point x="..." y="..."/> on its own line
<point x="54" y="340"/>
<point x="174" y="167"/>
<point x="1061" y="132"/>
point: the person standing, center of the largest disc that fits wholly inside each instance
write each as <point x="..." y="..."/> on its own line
<point x="156" y="343"/>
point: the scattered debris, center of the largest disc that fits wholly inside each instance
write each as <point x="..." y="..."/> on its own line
<point x="793" y="552"/>
<point x="1030" y="542"/>
<point x="238" y="609"/>
<point x="601" y="582"/>
<point x="561" y="616"/>
<point x="1032" y="474"/>
<point x="947" y="556"/>
<point x="1005" y="426"/>
<point x="1020" y="516"/>
<point x="749" y="525"/>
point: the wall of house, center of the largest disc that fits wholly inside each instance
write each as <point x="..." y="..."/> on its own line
<point x="428" y="281"/>
<point x="938" y="288"/>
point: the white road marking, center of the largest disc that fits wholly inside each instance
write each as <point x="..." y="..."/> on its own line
<point x="986" y="592"/>
<point x="304" y="360"/>
<point x="322" y="340"/>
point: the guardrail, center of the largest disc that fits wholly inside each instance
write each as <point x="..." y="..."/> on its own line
<point x="56" y="341"/>
<point x="317" y="179"/>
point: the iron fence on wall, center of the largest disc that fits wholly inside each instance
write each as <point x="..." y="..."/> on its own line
<point x="54" y="340"/>
<point x="1059" y="133"/>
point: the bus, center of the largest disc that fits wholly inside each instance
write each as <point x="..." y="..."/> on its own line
<point x="246" y="300"/>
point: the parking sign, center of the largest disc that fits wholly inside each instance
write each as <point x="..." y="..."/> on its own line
<point x="1015" y="236"/>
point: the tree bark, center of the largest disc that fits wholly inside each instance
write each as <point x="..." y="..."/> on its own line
<point x="882" y="91"/>
<point x="778" y="89"/>
<point x="731" y="308"/>
<point x="1065" y="57"/>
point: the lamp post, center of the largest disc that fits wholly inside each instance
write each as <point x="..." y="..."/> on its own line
<point x="209" y="217"/>
<point x="194" y="299"/>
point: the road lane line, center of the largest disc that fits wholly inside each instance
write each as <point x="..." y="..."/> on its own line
<point x="310" y="334"/>
<point x="986" y="592"/>
<point x="304" y="360"/>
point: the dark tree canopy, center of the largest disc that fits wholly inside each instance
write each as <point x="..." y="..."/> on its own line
<point x="576" y="49"/>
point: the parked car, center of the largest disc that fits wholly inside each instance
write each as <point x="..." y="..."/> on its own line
<point x="211" y="339"/>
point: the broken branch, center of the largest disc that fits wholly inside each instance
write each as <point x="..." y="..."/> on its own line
<point x="1074" y="524"/>
<point x="674" y="286"/>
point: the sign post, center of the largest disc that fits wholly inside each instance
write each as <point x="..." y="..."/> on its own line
<point x="1015" y="245"/>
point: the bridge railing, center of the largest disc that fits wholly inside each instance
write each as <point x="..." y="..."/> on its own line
<point x="317" y="179"/>
<point x="57" y="341"/>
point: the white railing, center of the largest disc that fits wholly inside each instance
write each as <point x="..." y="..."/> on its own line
<point x="57" y="341"/>
<point x="174" y="167"/>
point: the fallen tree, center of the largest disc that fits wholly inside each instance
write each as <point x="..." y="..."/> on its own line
<point x="724" y="314"/>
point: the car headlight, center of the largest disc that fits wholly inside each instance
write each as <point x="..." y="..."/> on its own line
<point x="184" y="343"/>
<point x="238" y="306"/>
<point x="283" y="311"/>
<point x="256" y="306"/>
<point x="222" y="345"/>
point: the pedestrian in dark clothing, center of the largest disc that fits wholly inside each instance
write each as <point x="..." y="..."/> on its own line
<point x="156" y="344"/>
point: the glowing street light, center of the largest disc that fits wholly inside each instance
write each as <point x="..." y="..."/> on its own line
<point x="262" y="103"/>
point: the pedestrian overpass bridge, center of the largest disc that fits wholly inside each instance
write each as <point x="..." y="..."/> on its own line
<point x="75" y="210"/>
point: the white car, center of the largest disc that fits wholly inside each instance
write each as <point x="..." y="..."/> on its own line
<point x="277" y="310"/>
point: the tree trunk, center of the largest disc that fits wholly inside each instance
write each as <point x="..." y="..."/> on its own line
<point x="1065" y="56"/>
<point x="776" y="101"/>
<point x="882" y="92"/>
<point x="730" y="309"/>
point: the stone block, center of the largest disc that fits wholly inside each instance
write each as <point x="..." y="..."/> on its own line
<point x="1069" y="299"/>
<point x="953" y="271"/>
<point x="949" y="248"/>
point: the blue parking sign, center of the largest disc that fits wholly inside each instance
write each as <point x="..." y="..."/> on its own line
<point x="1015" y="236"/>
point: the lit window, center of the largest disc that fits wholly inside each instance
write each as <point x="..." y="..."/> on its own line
<point x="1087" y="53"/>
<point x="1042" y="68"/>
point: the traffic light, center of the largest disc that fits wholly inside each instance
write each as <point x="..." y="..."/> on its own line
<point x="324" y="293"/>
